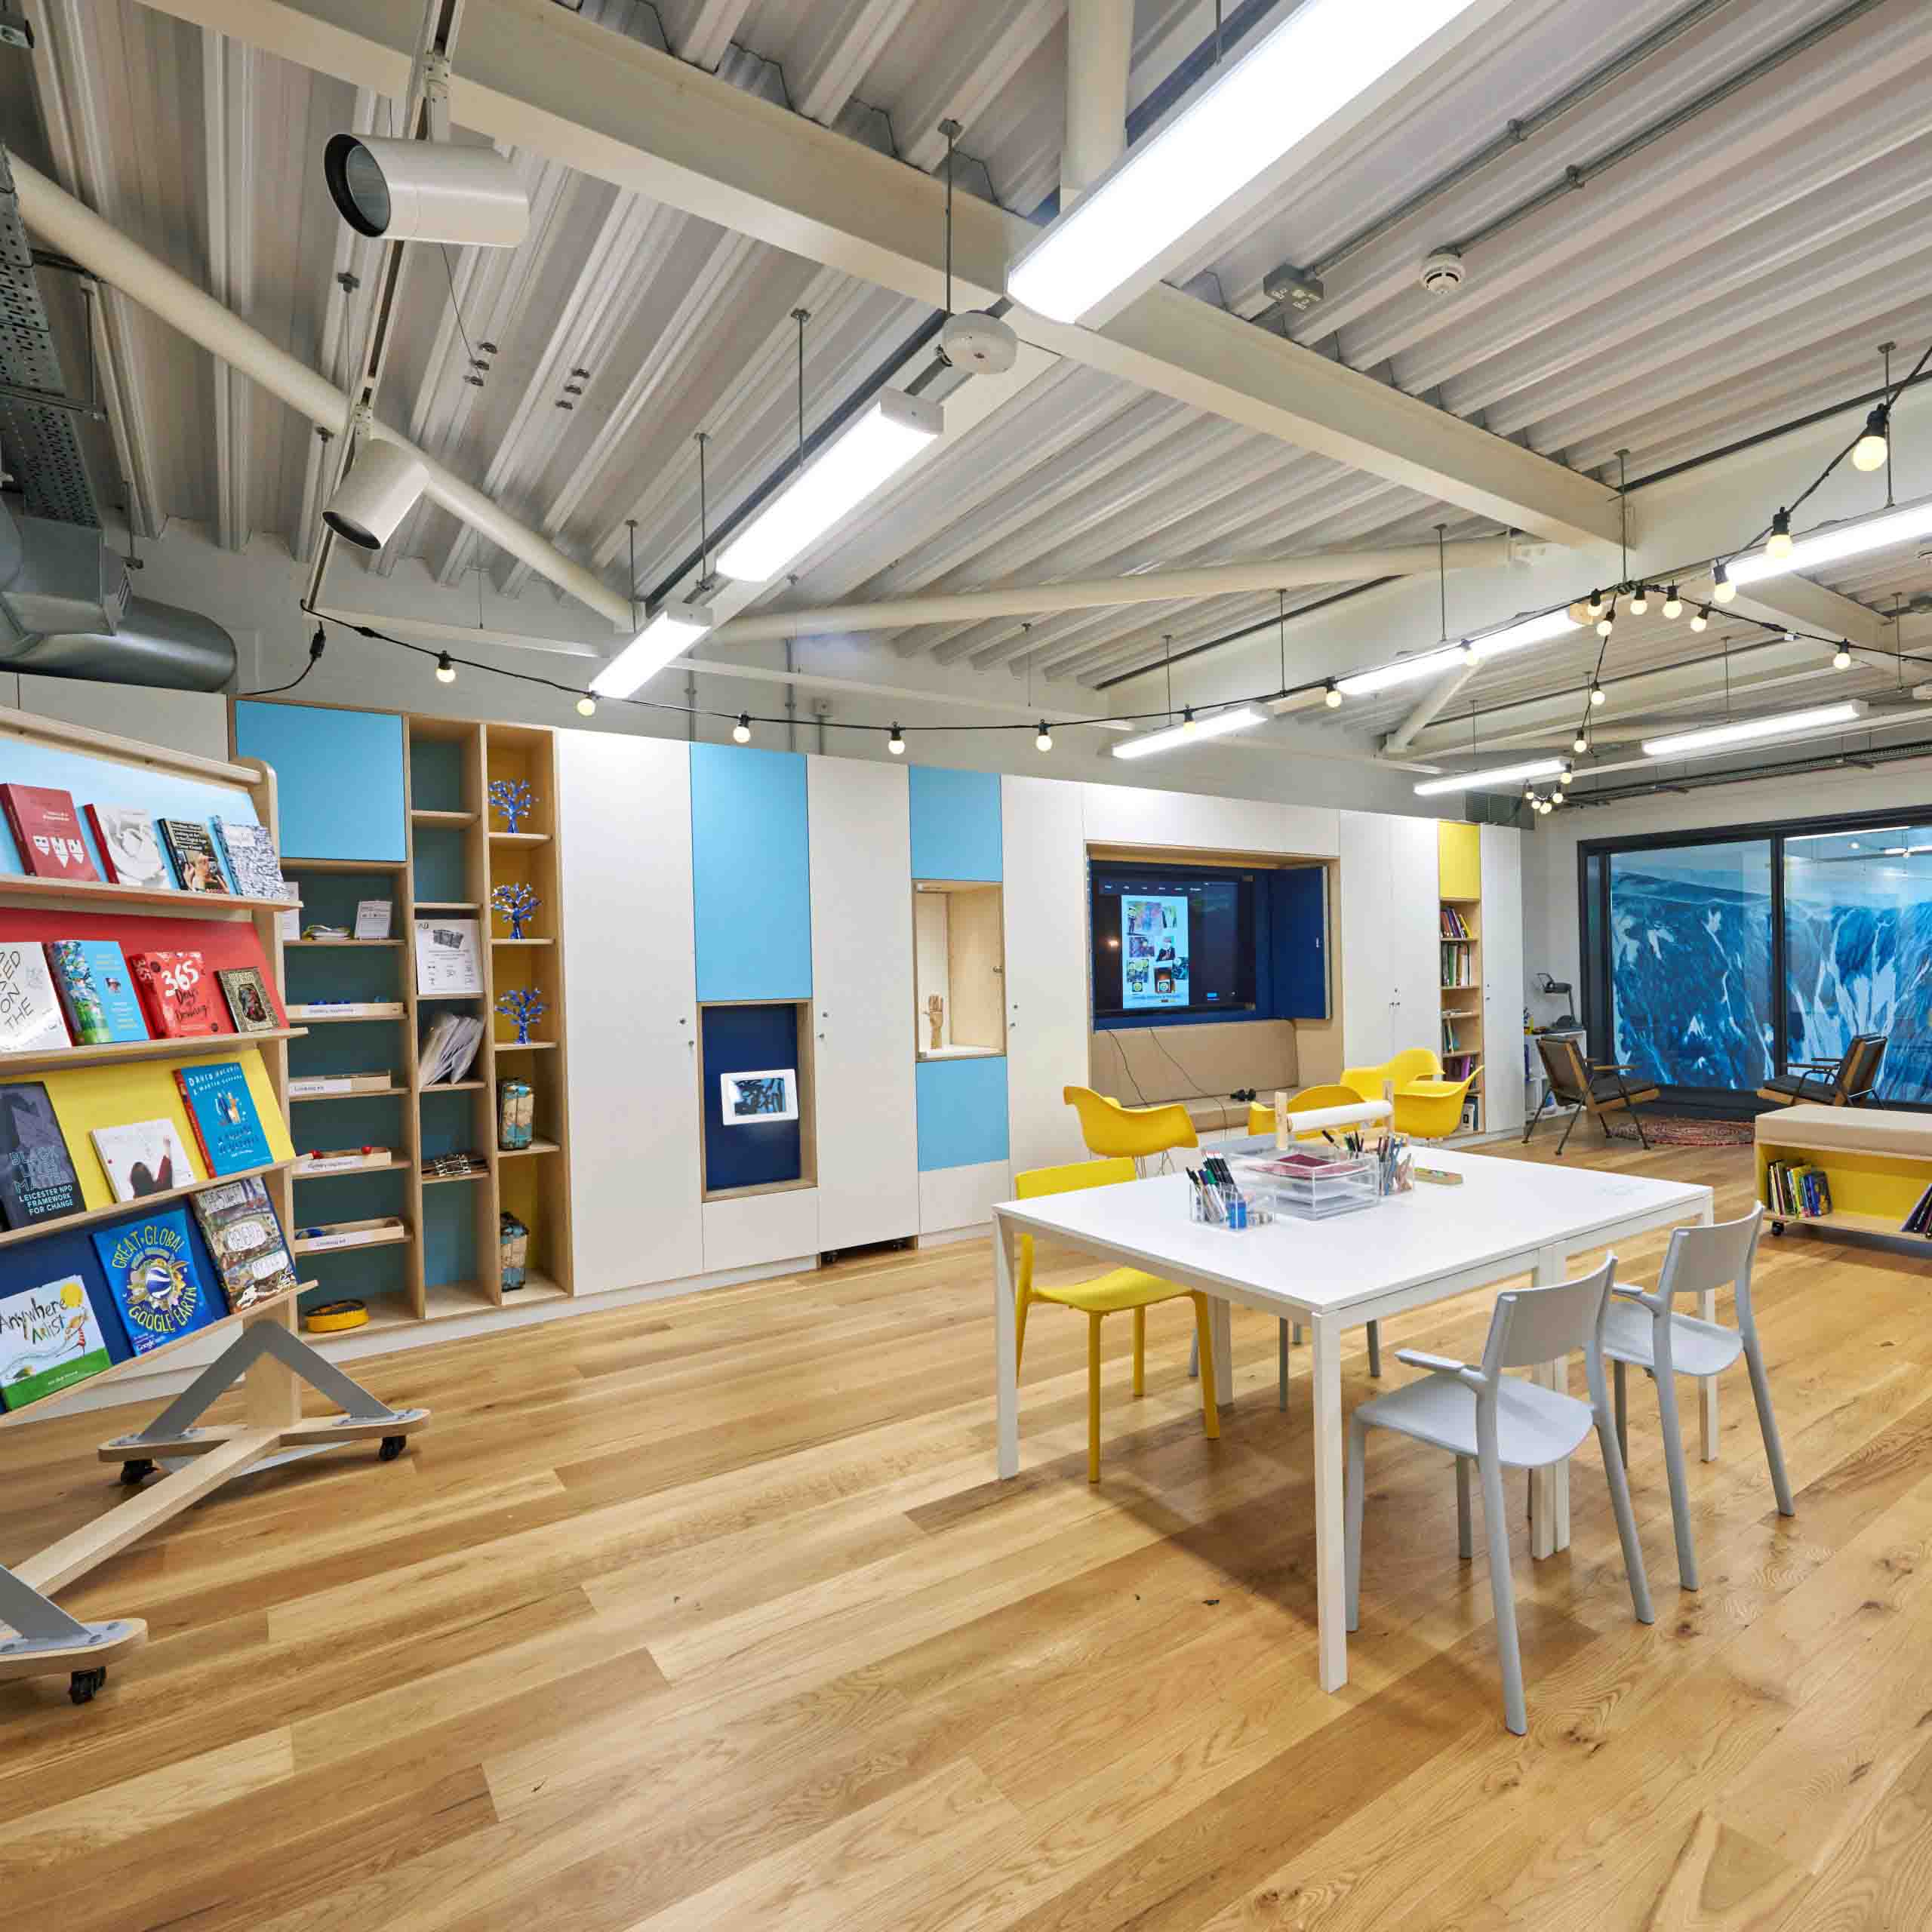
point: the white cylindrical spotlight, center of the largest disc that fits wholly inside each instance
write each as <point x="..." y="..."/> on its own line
<point x="380" y="491"/>
<point x="426" y="191"/>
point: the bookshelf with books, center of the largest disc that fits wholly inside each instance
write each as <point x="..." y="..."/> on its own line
<point x="145" y="1177"/>
<point x="1865" y="1171"/>
<point x="1459" y="927"/>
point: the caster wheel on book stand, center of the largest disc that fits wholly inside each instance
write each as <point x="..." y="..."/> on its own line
<point x="83" y="1684"/>
<point x="393" y="1446"/>
<point x="135" y="1471"/>
<point x="1777" y="1227"/>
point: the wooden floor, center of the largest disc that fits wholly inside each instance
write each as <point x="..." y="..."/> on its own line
<point x="710" y="1614"/>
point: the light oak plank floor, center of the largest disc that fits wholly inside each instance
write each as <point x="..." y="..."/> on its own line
<point x="710" y="1614"/>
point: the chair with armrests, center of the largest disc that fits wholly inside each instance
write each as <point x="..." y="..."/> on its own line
<point x="1106" y="1294"/>
<point x="1412" y="1063"/>
<point x="1110" y="1129"/>
<point x="1432" y="1109"/>
<point x="1645" y="1331"/>
<point x="1596" y="1087"/>
<point x="1482" y="1416"/>
<point x="1849" y="1081"/>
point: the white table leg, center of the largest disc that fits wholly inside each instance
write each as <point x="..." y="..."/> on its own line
<point x="1006" y="1378"/>
<point x="1549" y="1487"/>
<point x="1221" y="1316"/>
<point x="1330" y="1593"/>
<point x="1707" y="1384"/>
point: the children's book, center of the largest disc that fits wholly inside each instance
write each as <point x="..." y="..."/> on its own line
<point x="222" y="1112"/>
<point x="155" y="1279"/>
<point x="49" y="1340"/>
<point x="248" y="853"/>
<point x="245" y="1238"/>
<point x="142" y="1156"/>
<point x="47" y="831"/>
<point x="97" y="991"/>
<point x="129" y="848"/>
<point x="192" y="850"/>
<point x="37" y="1178"/>
<point x="177" y="993"/>
<point x="30" y="1021"/>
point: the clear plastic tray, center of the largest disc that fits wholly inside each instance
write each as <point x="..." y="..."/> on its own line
<point x="1316" y="1185"/>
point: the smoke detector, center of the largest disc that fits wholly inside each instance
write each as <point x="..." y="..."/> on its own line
<point x="979" y="343"/>
<point x="1442" y="273"/>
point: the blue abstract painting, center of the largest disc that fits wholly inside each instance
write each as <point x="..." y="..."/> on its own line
<point x="1690" y="965"/>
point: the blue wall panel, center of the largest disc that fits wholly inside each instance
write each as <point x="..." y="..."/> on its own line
<point x="962" y="1112"/>
<point x="955" y="823"/>
<point x="1298" y="917"/>
<point x="751" y="874"/>
<point x="338" y="775"/>
<point x="748" y="1039"/>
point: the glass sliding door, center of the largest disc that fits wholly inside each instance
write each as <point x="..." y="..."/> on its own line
<point x="1858" y="949"/>
<point x="1689" y="979"/>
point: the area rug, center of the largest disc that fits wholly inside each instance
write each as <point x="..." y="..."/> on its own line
<point x="1672" y="1131"/>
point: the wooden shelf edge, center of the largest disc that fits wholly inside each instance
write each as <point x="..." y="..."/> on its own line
<point x="81" y="892"/>
<point x="87" y="1216"/>
<point x="198" y="1046"/>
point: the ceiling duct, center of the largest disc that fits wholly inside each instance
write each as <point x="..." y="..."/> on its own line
<point x="65" y="611"/>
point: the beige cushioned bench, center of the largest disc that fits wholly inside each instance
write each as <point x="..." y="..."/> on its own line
<point x="1854" y="1129"/>
<point x="1141" y="1066"/>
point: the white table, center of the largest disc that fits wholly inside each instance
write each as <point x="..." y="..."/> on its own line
<point x="1508" y="1218"/>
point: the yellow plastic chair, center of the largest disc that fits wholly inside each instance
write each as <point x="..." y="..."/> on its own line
<point x="1107" y="1294"/>
<point x="1411" y="1064"/>
<point x="1261" y="1119"/>
<point x="1110" y="1129"/>
<point x="1431" y="1109"/>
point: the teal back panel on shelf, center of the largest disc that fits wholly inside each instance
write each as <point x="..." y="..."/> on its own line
<point x="751" y="874"/>
<point x="95" y="781"/>
<point x="955" y="823"/>
<point x="338" y="775"/>
<point x="435" y="775"/>
<point x="962" y="1112"/>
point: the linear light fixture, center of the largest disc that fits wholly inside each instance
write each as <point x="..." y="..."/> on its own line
<point x="1749" y="731"/>
<point x="1449" y="658"/>
<point x="1496" y="779"/>
<point x="1190" y="731"/>
<point x="666" y="633"/>
<point x="870" y="449"/>
<point x="1247" y="116"/>
<point x="1832" y="546"/>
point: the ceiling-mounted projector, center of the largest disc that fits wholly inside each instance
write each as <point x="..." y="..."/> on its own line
<point x="980" y="343"/>
<point x="426" y="191"/>
<point x="380" y="490"/>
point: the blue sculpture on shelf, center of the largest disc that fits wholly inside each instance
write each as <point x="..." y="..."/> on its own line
<point x="524" y="1005"/>
<point x="514" y="799"/>
<point x="518" y="904"/>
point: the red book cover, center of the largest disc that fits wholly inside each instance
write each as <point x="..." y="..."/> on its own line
<point x="178" y="993"/>
<point x="47" y="831"/>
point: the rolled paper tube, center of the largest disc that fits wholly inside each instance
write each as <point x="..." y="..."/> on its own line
<point x="1365" y="1113"/>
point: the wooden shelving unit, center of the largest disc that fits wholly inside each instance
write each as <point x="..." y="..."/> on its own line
<point x="1459" y="928"/>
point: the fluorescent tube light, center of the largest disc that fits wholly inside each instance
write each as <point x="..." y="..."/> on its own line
<point x="1251" y="112"/>
<point x="1832" y="546"/>
<point x="1190" y="732"/>
<point x="662" y="638"/>
<point x="1441" y="663"/>
<point x="1498" y="777"/>
<point x="1749" y="731"/>
<point x="871" y="449"/>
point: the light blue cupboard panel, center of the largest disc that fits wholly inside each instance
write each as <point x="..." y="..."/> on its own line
<point x="962" y="1112"/>
<point x="338" y="778"/>
<point x="955" y="823"/>
<point x="751" y="874"/>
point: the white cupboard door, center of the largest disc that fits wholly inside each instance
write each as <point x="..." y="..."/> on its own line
<point x="1502" y="977"/>
<point x="624" y="839"/>
<point x="1411" y="916"/>
<point x="1044" y="861"/>
<point x="1368" y="985"/>
<point x="861" y="1001"/>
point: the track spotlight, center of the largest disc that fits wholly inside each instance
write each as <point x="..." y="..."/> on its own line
<point x="1331" y="695"/>
<point x="742" y="731"/>
<point x="1701" y="618"/>
<point x="1580" y="743"/>
<point x="1778" y="544"/>
<point x="896" y="744"/>
<point x="426" y="191"/>
<point x="586" y="706"/>
<point x="1673" y="605"/>
<point x="380" y="491"/>
<point x="1640" y="599"/>
<point x="1871" y="449"/>
<point x="1597" y="694"/>
<point x="1045" y="739"/>
<point x="445" y="668"/>
<point x="1841" y="658"/>
<point x="1722" y="589"/>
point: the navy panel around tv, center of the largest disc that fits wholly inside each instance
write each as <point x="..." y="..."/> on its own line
<point x="1298" y="936"/>
<point x="748" y="1039"/>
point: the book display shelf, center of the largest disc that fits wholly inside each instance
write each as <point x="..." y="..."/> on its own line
<point x="97" y="1095"/>
<point x="1459" y="851"/>
<point x="1869" y="1170"/>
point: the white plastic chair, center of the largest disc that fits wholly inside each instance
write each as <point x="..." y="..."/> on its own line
<point x="1643" y="1331"/>
<point x="1498" y="1419"/>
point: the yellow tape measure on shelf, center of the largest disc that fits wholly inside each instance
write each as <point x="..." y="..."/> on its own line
<point x="327" y="1317"/>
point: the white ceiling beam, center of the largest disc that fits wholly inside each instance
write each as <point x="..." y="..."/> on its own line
<point x="532" y="75"/>
<point x="706" y="40"/>
<point x="970" y="72"/>
<point x="1441" y="693"/>
<point x="848" y="44"/>
<point x="227" y="136"/>
<point x="1100" y="52"/>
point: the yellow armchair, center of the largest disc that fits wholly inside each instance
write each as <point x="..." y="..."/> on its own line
<point x="1412" y="1063"/>
<point x="1431" y="1109"/>
<point x="1110" y="1129"/>
<point x="1261" y="1119"/>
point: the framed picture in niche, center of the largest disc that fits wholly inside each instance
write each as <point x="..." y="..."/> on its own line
<point x="759" y="1099"/>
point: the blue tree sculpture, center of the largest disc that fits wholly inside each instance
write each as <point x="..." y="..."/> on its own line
<point x="524" y="1005"/>
<point x="514" y="799"/>
<point x="518" y="904"/>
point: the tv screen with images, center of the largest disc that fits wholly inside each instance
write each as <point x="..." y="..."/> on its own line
<point x="1171" y="940"/>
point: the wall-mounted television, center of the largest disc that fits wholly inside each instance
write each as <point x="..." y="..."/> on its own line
<point x="1171" y="939"/>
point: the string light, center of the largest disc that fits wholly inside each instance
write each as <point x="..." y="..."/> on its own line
<point x="1673" y="605"/>
<point x="1722" y="589"/>
<point x="1331" y="695"/>
<point x="445" y="669"/>
<point x="1597" y="694"/>
<point x="1701" y="617"/>
<point x="1608" y="622"/>
<point x="1565" y="776"/>
<point x="896" y="744"/>
<point x="1045" y="739"/>
<point x="1580" y="743"/>
<point x="1778" y="544"/>
<point x="1640" y="600"/>
<point x="1871" y="449"/>
<point x="742" y="731"/>
<point x="1594" y="607"/>
<point x="586" y="706"/>
<point x="1841" y="658"/>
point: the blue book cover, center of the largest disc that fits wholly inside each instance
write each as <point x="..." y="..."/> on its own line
<point x="222" y="1112"/>
<point x="97" y="990"/>
<point x="156" y="1277"/>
